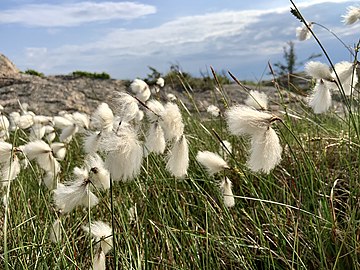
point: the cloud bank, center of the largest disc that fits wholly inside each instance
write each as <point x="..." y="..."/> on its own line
<point x="75" y="14"/>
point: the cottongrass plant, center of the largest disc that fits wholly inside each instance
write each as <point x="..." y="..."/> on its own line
<point x="178" y="158"/>
<point x="320" y="99"/>
<point x="265" y="150"/>
<point x="352" y="15"/>
<point x="212" y="162"/>
<point x="303" y="32"/>
<point x="226" y="188"/>
<point x="102" y="234"/>
<point x="257" y="100"/>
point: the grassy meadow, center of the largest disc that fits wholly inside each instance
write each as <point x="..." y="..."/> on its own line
<point x="304" y="214"/>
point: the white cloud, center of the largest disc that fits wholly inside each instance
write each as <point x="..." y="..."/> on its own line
<point x="65" y="15"/>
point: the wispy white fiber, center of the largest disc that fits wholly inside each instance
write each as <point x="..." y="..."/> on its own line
<point x="156" y="110"/>
<point x="155" y="140"/>
<point x="172" y="122"/>
<point x="98" y="174"/>
<point x="212" y="162"/>
<point x="102" y="118"/>
<point x="68" y="132"/>
<point x="124" y="154"/>
<point x="318" y="70"/>
<point x="213" y="110"/>
<point x="67" y="197"/>
<point x="59" y="150"/>
<point x="55" y="231"/>
<point x="244" y="120"/>
<point x="61" y="122"/>
<point x="320" y="99"/>
<point x="126" y="106"/>
<point x="265" y="152"/>
<point x="102" y="234"/>
<point x="178" y="158"/>
<point x="140" y="89"/>
<point x="303" y="33"/>
<point x="347" y="75"/>
<point x="226" y="188"/>
<point x="91" y="142"/>
<point x="257" y="100"/>
<point x="352" y="15"/>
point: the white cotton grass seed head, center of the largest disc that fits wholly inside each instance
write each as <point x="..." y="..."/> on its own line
<point x="320" y="99"/>
<point x="171" y="97"/>
<point x="51" y="180"/>
<point x="346" y="72"/>
<point x="71" y="195"/>
<point x="156" y="110"/>
<point x="226" y="188"/>
<point x="318" y="70"/>
<point x="160" y="82"/>
<point x="102" y="234"/>
<point x="10" y="170"/>
<point x="98" y="174"/>
<point x="178" y="158"/>
<point x="82" y="120"/>
<point x="37" y="132"/>
<point x="141" y="89"/>
<point x="244" y="120"/>
<point x="155" y="140"/>
<point x="303" y="33"/>
<point x="213" y="110"/>
<point x="6" y="150"/>
<point x="123" y="154"/>
<point x="265" y="152"/>
<point x="42" y="153"/>
<point x="212" y="162"/>
<point x="61" y="122"/>
<point x="91" y="142"/>
<point x="257" y="100"/>
<point x="68" y="133"/>
<point x="125" y="106"/>
<point x="99" y="262"/>
<point x="172" y="122"/>
<point x="352" y="15"/>
<point x="25" y="121"/>
<point x="103" y="117"/>
<point x="59" y="150"/>
<point x="55" y="231"/>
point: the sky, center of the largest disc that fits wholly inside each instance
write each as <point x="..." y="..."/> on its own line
<point x="124" y="38"/>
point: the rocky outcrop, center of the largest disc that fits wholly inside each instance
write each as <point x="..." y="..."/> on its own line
<point x="7" y="68"/>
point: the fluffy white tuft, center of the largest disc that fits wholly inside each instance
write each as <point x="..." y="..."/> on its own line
<point x="102" y="118"/>
<point x="320" y="99"/>
<point x="352" y="15"/>
<point x="5" y="151"/>
<point x="156" y="110"/>
<point x="303" y="33"/>
<point x="243" y="120"/>
<point x="226" y="186"/>
<point x="68" y="132"/>
<point x="211" y="161"/>
<point x="318" y="70"/>
<point x="178" y="159"/>
<point x="99" y="261"/>
<point x="25" y="121"/>
<point x="91" y="142"/>
<point x="155" y="140"/>
<point x="55" y="231"/>
<point x="257" y="100"/>
<point x="160" y="82"/>
<point x="347" y="75"/>
<point x="59" y="150"/>
<point x="265" y="152"/>
<point x="126" y="107"/>
<point x="10" y="170"/>
<point x="37" y="132"/>
<point x="140" y="89"/>
<point x="124" y="154"/>
<point x="82" y="120"/>
<point x="213" y="110"/>
<point x="61" y="122"/>
<point x="67" y="197"/>
<point x="102" y="233"/>
<point x="171" y="122"/>
<point x="99" y="176"/>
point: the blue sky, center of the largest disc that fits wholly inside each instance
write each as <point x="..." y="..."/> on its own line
<point x="123" y="38"/>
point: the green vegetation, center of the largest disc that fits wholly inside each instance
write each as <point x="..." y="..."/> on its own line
<point x="34" y="72"/>
<point x="92" y="75"/>
<point x="303" y="215"/>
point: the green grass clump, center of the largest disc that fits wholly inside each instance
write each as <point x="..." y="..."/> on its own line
<point x="92" y="75"/>
<point x="34" y="73"/>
